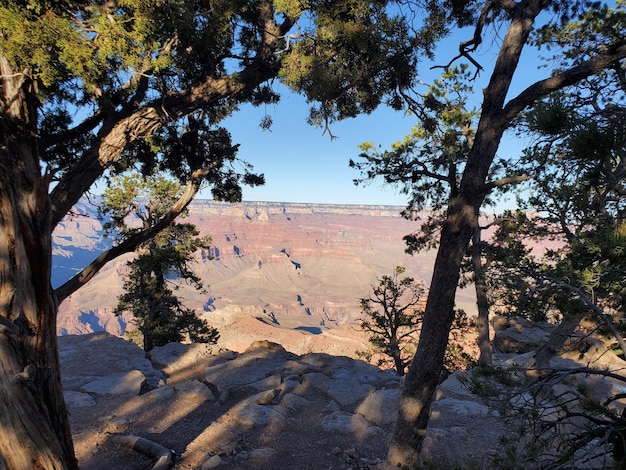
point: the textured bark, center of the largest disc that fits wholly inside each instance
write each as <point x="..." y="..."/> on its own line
<point x="425" y="371"/>
<point x="118" y="131"/>
<point x="34" y="428"/>
<point x="129" y="245"/>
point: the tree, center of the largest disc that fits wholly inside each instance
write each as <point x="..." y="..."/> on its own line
<point x="582" y="54"/>
<point x="89" y="89"/>
<point x="159" y="314"/>
<point x="577" y="195"/>
<point x="437" y="146"/>
<point x="391" y="316"/>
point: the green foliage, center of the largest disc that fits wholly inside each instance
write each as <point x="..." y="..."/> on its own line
<point x="355" y="56"/>
<point x="427" y="164"/>
<point x="577" y="196"/>
<point x="391" y="316"/>
<point x="132" y="204"/>
<point x="346" y="57"/>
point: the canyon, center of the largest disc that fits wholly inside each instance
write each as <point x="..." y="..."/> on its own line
<point x="288" y="272"/>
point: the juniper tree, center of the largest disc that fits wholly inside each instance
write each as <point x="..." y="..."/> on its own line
<point x="158" y="313"/>
<point x="392" y="317"/>
<point x="588" y="40"/>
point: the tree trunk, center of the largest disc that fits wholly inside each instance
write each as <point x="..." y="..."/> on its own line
<point x="396" y="354"/>
<point x="482" y="301"/>
<point x="425" y="371"/>
<point x="460" y="223"/>
<point x="34" y="427"/>
<point x="555" y="341"/>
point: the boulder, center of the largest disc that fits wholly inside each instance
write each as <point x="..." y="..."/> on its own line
<point x="121" y="383"/>
<point x="78" y="399"/>
<point x="519" y="336"/>
<point x="245" y="369"/>
<point x="380" y="407"/>
<point x="195" y="391"/>
<point x="343" y="391"/>
<point x="175" y="357"/>
<point x="86" y="358"/>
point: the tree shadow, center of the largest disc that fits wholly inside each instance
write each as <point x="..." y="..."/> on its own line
<point x="259" y="411"/>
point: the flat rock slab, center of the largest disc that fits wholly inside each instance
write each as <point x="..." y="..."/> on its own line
<point x="85" y="358"/>
<point x="245" y="369"/>
<point x="344" y="392"/>
<point x="381" y="407"/>
<point x="174" y="357"/>
<point x="121" y="383"/>
<point x="78" y="399"/>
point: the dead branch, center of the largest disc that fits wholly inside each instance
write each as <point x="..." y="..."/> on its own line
<point x="164" y="457"/>
<point x="466" y="47"/>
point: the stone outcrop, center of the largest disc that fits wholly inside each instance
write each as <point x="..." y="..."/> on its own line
<point x="268" y="408"/>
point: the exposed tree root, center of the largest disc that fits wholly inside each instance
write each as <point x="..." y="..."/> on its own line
<point x="164" y="457"/>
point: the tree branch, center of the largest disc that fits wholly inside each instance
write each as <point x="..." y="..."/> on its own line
<point x="164" y="457"/>
<point x="490" y="185"/>
<point x="563" y="79"/>
<point x="131" y="243"/>
<point x="118" y="130"/>
<point x="17" y="88"/>
<point x="84" y="127"/>
<point x="471" y="45"/>
<point x="585" y="298"/>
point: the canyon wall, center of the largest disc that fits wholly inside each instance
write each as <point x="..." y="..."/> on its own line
<point x="300" y="267"/>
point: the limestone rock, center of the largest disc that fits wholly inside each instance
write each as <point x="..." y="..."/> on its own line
<point x="519" y="336"/>
<point x="258" y="415"/>
<point x="345" y="423"/>
<point x="344" y="391"/>
<point x="78" y="399"/>
<point x="380" y="407"/>
<point x="121" y="383"/>
<point x="176" y="356"/>
<point x="86" y="358"/>
<point x="213" y="462"/>
<point x="194" y="390"/>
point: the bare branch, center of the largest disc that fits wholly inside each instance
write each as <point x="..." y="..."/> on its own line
<point x="83" y="128"/>
<point x="585" y="298"/>
<point x="472" y="44"/>
<point x="115" y="134"/>
<point x="164" y="457"/>
<point x="17" y="88"/>
<point x="490" y="185"/>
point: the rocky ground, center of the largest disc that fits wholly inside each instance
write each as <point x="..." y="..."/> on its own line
<point x="263" y="408"/>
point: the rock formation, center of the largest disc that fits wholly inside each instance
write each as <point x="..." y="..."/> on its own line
<point x="266" y="408"/>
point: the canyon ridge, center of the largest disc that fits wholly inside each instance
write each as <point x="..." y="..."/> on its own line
<point x="287" y="272"/>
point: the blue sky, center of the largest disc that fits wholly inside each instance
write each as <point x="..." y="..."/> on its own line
<point x="302" y="165"/>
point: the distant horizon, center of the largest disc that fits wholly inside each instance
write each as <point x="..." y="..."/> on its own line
<point x="248" y="201"/>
